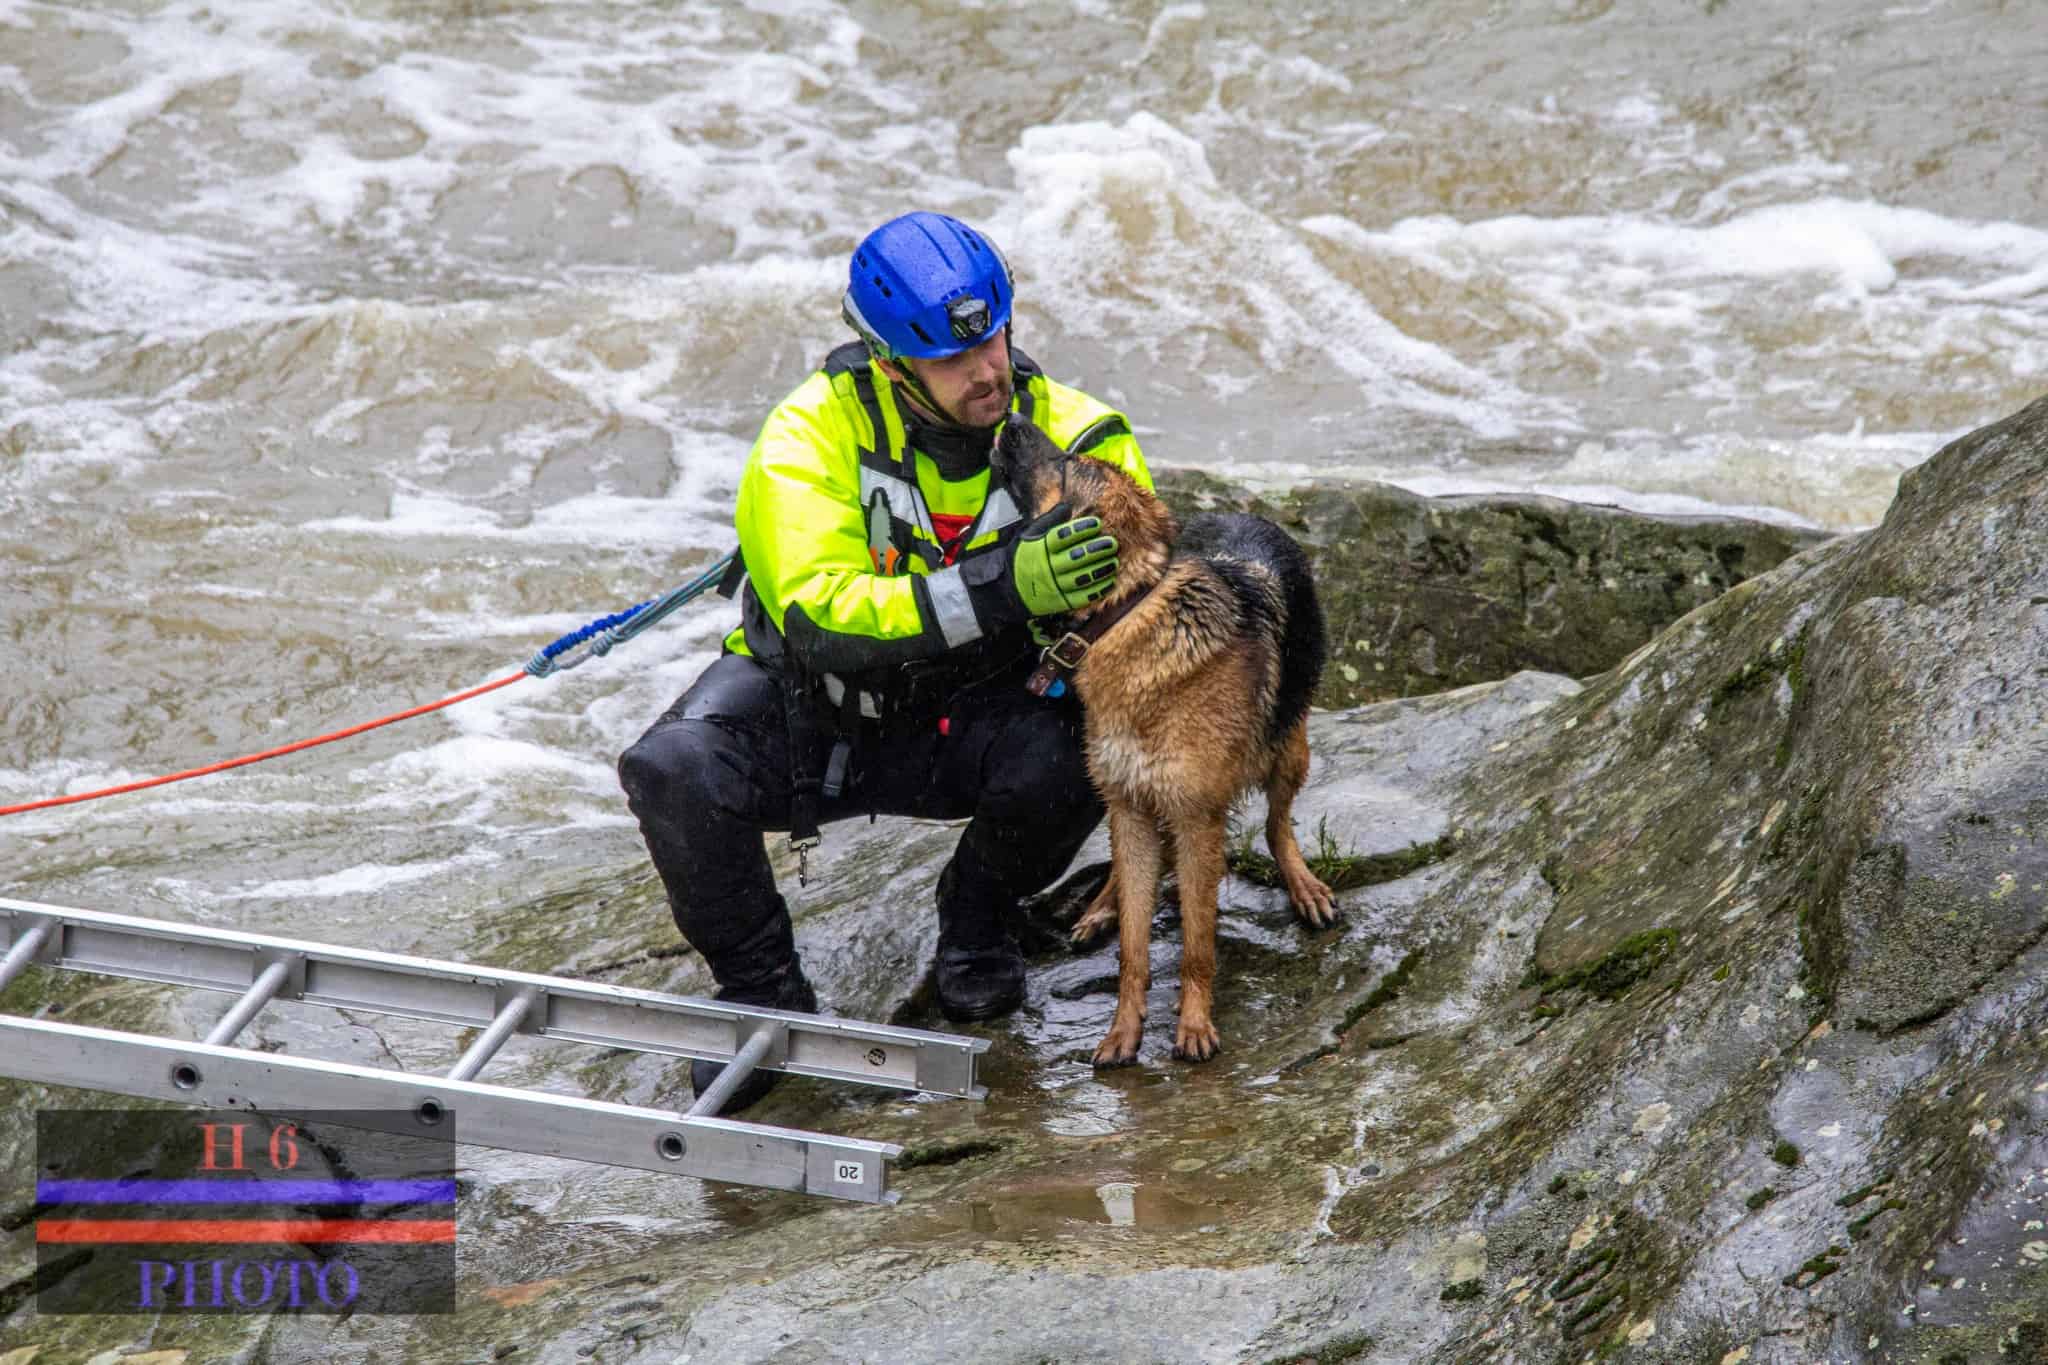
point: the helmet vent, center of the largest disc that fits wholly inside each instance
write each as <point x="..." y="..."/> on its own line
<point x="887" y="293"/>
<point x="923" y="335"/>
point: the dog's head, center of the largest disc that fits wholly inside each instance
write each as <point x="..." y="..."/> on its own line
<point x="1041" y="476"/>
<point x="1038" y="473"/>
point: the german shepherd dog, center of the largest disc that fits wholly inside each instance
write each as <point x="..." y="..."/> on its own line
<point x="1196" y="695"/>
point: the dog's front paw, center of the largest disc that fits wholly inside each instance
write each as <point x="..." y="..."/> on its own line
<point x="1313" y="901"/>
<point x="1196" y="1040"/>
<point x="1120" y="1048"/>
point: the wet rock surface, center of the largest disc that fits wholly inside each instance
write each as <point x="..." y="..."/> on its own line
<point x="1425" y="594"/>
<point x="1701" y="1017"/>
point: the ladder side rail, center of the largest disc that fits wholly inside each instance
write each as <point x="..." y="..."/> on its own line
<point x="600" y="1131"/>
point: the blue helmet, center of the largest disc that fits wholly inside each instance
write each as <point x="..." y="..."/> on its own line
<point x="926" y="285"/>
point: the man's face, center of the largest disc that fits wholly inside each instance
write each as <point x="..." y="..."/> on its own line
<point x="972" y="386"/>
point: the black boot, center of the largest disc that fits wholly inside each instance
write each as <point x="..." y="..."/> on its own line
<point x="786" y="989"/>
<point x="980" y="969"/>
<point x="980" y="983"/>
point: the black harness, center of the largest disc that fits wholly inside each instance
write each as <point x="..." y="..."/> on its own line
<point x="836" y="729"/>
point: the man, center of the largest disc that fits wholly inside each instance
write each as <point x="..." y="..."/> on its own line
<point x="885" y="636"/>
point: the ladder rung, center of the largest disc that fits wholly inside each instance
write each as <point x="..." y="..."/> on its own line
<point x="26" y="946"/>
<point x="493" y="1038"/>
<point x="737" y="1070"/>
<point x="254" y="999"/>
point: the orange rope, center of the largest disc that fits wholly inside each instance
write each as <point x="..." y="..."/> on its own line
<point x="267" y="753"/>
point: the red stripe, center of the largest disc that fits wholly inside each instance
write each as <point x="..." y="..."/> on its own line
<point x="951" y="529"/>
<point x="267" y="753"/>
<point x="304" y="1230"/>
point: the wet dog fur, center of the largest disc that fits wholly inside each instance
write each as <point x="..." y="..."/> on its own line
<point x="1197" y="696"/>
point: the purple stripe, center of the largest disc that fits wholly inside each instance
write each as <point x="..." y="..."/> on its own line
<point x="245" y="1190"/>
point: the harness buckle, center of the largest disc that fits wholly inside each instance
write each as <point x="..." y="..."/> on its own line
<point x="803" y="849"/>
<point x="1053" y="654"/>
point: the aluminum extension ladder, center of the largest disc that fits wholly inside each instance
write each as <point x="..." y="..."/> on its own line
<point x="259" y="969"/>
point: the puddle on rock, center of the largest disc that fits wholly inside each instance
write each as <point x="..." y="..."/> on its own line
<point x="1048" y="1209"/>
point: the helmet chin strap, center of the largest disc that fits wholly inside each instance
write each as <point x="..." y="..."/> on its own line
<point x="922" y="396"/>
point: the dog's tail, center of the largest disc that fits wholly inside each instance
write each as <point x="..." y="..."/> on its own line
<point x="1304" y="646"/>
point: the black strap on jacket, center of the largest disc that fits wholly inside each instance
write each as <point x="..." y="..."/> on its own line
<point x="812" y="720"/>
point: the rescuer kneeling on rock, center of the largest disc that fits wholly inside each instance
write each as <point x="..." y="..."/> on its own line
<point x="885" y="636"/>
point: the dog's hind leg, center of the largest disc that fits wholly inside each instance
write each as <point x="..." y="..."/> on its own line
<point x="1200" y="859"/>
<point x="1134" y="837"/>
<point x="1101" y="913"/>
<point x="1312" y="900"/>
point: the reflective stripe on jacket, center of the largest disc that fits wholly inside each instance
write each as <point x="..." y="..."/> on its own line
<point x="844" y="568"/>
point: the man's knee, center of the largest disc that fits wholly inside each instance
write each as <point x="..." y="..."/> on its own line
<point x="662" y="765"/>
<point x="686" y="774"/>
<point x="1042" y="770"/>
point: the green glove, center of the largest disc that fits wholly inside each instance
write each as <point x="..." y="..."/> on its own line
<point x="1056" y="564"/>
<point x="1060" y="566"/>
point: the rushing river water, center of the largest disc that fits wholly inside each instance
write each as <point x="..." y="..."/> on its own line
<point x="349" y="352"/>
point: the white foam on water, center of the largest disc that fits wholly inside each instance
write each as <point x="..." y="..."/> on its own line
<point x="391" y="129"/>
<point x="1839" y="481"/>
<point x="1141" y="241"/>
<point x="1759" y="338"/>
<point x="363" y="879"/>
<point x="472" y="761"/>
<point x="1856" y="245"/>
<point x="655" y="523"/>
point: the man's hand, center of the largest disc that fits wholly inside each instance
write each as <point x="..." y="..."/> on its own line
<point x="1058" y="565"/>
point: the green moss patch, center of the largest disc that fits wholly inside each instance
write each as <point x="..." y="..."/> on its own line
<point x="1463" y="1291"/>
<point x="1336" y="1351"/>
<point x="1788" y="663"/>
<point x="1860" y="1228"/>
<point x="947" y="1153"/>
<point x="1857" y="1196"/>
<point x="1612" y="976"/>
<point x="1816" y="1269"/>
<point x="1339" y="870"/>
<point x="1390" y="986"/>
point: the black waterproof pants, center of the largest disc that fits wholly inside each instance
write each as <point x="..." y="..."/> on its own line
<point x="714" y="772"/>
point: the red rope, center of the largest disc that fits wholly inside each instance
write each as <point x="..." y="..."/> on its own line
<point x="267" y="753"/>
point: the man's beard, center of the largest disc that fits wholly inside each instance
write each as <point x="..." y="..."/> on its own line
<point x="934" y="414"/>
<point x="1003" y="388"/>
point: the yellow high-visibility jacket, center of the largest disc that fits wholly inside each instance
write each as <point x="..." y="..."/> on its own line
<point x="845" y="570"/>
